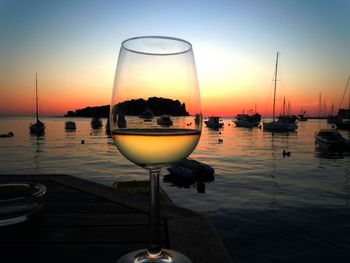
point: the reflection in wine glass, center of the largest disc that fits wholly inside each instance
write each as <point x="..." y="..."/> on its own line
<point x="154" y="104"/>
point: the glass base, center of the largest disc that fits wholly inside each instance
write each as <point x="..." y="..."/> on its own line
<point x="142" y="256"/>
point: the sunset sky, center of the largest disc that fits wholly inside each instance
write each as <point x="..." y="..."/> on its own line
<point x="74" y="45"/>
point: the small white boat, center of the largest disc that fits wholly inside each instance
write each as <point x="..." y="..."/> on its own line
<point x="70" y="125"/>
<point x="164" y="120"/>
<point x="330" y="140"/>
<point x="214" y="122"/>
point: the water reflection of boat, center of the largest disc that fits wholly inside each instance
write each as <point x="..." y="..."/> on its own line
<point x="38" y="127"/>
<point x="164" y="120"/>
<point x="96" y="123"/>
<point x="70" y="125"/>
<point x="247" y="121"/>
<point x="121" y="121"/>
<point x="330" y="140"/>
<point x="214" y="122"/>
<point x="108" y="127"/>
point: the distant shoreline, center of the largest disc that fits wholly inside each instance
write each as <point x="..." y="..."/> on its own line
<point x="63" y="116"/>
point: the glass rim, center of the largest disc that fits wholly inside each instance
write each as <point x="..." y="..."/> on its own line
<point x="181" y="51"/>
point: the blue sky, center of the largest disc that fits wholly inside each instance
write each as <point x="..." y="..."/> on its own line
<point x="75" y="44"/>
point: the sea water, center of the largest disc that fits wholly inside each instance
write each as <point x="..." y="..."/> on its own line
<point x="265" y="206"/>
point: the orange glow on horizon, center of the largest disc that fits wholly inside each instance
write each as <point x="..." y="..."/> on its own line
<point x="222" y="104"/>
<point x="223" y="93"/>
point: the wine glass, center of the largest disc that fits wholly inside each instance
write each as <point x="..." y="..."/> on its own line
<point x="155" y="118"/>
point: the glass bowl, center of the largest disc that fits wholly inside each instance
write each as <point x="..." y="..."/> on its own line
<point x="20" y="201"/>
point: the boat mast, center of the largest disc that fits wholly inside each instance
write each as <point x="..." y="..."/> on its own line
<point x="274" y="90"/>
<point x="288" y="112"/>
<point x="36" y="96"/>
<point x="319" y="106"/>
<point x="342" y="99"/>
<point x="332" y="110"/>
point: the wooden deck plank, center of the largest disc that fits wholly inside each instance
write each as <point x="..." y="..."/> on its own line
<point x="137" y="202"/>
<point x="80" y="234"/>
<point x="197" y="233"/>
<point x="89" y="222"/>
<point x="89" y="219"/>
<point x="63" y="253"/>
<point x="81" y="207"/>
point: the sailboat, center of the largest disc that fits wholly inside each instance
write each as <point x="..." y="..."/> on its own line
<point x="38" y="127"/>
<point x="342" y="120"/>
<point x="283" y="123"/>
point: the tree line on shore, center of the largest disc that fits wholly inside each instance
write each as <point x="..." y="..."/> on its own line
<point x="134" y="107"/>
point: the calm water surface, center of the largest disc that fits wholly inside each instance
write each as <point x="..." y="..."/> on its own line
<point x="266" y="207"/>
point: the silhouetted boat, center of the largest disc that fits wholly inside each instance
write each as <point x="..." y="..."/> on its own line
<point x="283" y="123"/>
<point x="342" y="120"/>
<point x="330" y="140"/>
<point x="38" y="127"/>
<point x="164" y="120"/>
<point x="214" y="122"/>
<point x="247" y="120"/>
<point x="302" y="117"/>
<point x="70" y="125"/>
<point x="146" y="114"/>
<point x="197" y="119"/>
<point x="189" y="168"/>
<point x="6" y="135"/>
<point x="96" y="123"/>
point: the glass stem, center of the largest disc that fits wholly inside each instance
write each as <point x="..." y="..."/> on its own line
<point x="154" y="220"/>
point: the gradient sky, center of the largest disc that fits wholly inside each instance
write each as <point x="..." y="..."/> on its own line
<point x="74" y="45"/>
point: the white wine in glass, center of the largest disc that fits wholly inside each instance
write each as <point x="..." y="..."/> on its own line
<point x="155" y="118"/>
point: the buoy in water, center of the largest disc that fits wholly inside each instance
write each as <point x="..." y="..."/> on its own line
<point x="284" y="153"/>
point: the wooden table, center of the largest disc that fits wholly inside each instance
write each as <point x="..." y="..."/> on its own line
<point x="83" y="221"/>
